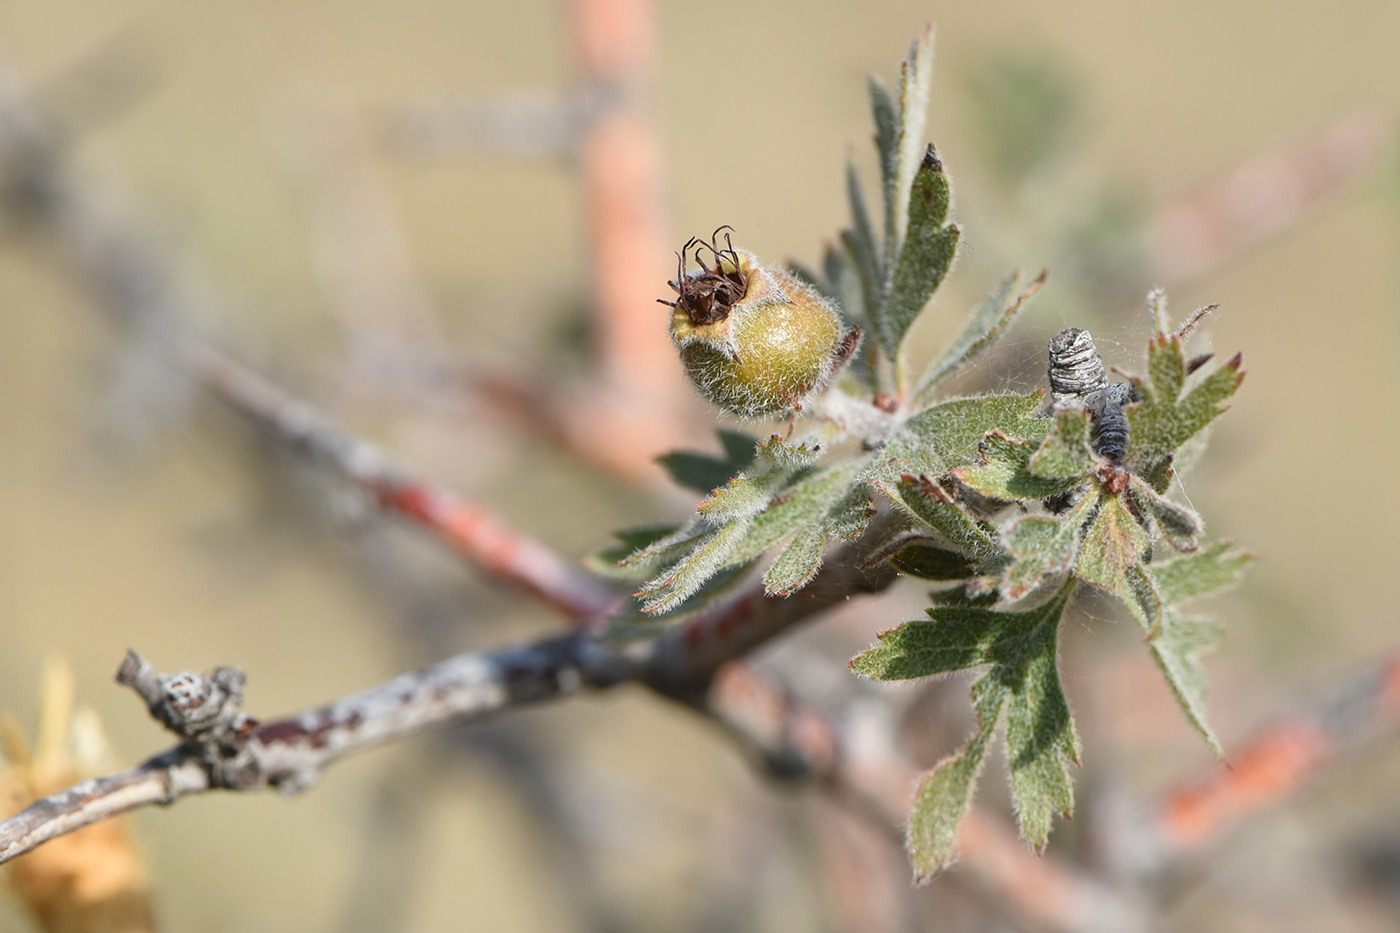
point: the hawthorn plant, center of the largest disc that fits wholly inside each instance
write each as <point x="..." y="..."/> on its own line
<point x="1009" y="505"/>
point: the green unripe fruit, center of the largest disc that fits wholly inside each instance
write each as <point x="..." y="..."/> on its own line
<point x="754" y="340"/>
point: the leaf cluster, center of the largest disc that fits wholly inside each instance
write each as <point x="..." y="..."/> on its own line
<point x="1002" y="501"/>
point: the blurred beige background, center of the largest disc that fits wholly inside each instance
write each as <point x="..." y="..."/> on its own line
<point x="168" y="535"/>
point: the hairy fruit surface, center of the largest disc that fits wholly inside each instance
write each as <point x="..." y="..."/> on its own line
<point x="754" y="340"/>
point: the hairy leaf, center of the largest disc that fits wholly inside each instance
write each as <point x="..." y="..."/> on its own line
<point x="950" y="433"/>
<point x="1021" y="649"/>
<point x="925" y="257"/>
<point x="742" y="498"/>
<point x="1005" y="471"/>
<point x="955" y="639"/>
<point x="1178" y="524"/>
<point x="945" y="792"/>
<point x="915" y="80"/>
<point x="850" y="517"/>
<point x="1177" y="647"/>
<point x="847" y="284"/>
<point x="804" y="503"/>
<point x="667" y="546"/>
<point x="608" y="562"/>
<point x="1068" y="451"/>
<point x="1178" y="641"/>
<point x="986" y="324"/>
<point x="783" y="455"/>
<point x="887" y="127"/>
<point x="1166" y="419"/>
<point x="1041" y="545"/>
<point x="1209" y="570"/>
<point x="705" y="472"/>
<point x="801" y="558"/>
<point x="861" y="245"/>
<point x="1041" y="741"/>
<point x="1113" y="543"/>
<point x="920" y="557"/>
<point x="798" y="562"/>
<point x="710" y="555"/>
<point x="946" y="518"/>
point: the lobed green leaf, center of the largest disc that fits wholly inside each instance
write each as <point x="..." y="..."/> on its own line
<point x="1113" y="543"/>
<point x="1209" y="570"/>
<point x="945" y="792"/>
<point x="1005" y="471"/>
<point x="1165" y="420"/>
<point x="1177" y="647"/>
<point x="1068" y="451"/>
<point x="1041" y="741"/>
<point x="1178" y="524"/>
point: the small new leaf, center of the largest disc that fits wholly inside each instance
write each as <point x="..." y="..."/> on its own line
<point x="668" y="590"/>
<point x="1041" y="545"/>
<point x="804" y="503"/>
<point x="783" y="455"/>
<point x="1068" y="452"/>
<point x="949" y="520"/>
<point x="1005" y="471"/>
<point x="797" y="563"/>
<point x="1178" y="524"/>
<point x="609" y="562"/>
<point x="1113" y="543"/>
<point x="1166" y="419"/>
<point x="800" y="560"/>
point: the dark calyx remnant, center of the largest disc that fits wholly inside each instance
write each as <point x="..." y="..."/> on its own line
<point x="708" y="295"/>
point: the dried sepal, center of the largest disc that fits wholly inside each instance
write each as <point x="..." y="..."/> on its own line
<point x="92" y="880"/>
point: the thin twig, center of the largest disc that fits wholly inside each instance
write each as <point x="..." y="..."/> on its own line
<point x="472" y="530"/>
<point x="290" y="754"/>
